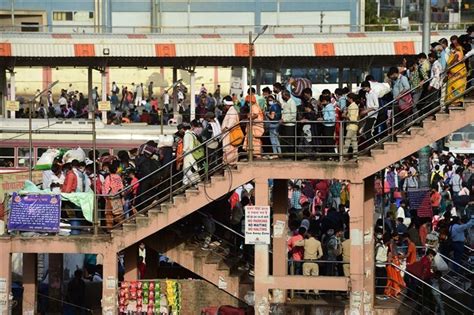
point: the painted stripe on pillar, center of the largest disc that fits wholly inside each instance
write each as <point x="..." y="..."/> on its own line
<point x="404" y="48"/>
<point x="242" y="50"/>
<point x="162" y="73"/>
<point x="216" y="77"/>
<point x="165" y="50"/>
<point x="84" y="50"/>
<point x="5" y="49"/>
<point x="324" y="49"/>
<point x="47" y="77"/>
<point x="107" y="79"/>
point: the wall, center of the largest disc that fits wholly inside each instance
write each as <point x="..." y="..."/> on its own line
<point x="198" y="294"/>
<point x="201" y="12"/>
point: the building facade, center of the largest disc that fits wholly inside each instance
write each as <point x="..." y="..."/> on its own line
<point x="141" y="16"/>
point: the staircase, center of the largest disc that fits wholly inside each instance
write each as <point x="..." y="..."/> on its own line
<point x="182" y="205"/>
<point x="406" y="144"/>
<point x="217" y="265"/>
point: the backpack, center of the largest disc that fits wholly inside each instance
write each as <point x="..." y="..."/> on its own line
<point x="198" y="153"/>
<point x="116" y="89"/>
<point x="436" y="178"/>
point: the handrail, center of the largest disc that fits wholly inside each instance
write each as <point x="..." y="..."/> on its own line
<point x="414" y="89"/>
<point x="222" y="225"/>
<point x="170" y="163"/>
<point x="453" y="262"/>
<point x="457" y="287"/>
<point x="430" y="286"/>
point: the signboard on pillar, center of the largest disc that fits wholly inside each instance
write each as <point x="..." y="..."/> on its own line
<point x="12" y="106"/>
<point x="236" y="84"/>
<point x="257" y="225"/>
<point x="103" y="106"/>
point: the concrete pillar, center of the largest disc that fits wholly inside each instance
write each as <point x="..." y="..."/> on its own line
<point x="109" y="284"/>
<point x="5" y="277"/>
<point x="278" y="76"/>
<point x="192" y="96"/>
<point x="340" y="76"/>
<point x="261" y="263"/>
<point x="12" y="91"/>
<point x="280" y="204"/>
<point x="259" y="80"/>
<point x="3" y="91"/>
<point x="361" y="235"/>
<point x="103" y="77"/>
<point x="29" y="283"/>
<point x="55" y="282"/>
<point x="369" y="222"/>
<point x="245" y="83"/>
<point x="91" y="111"/>
<point x="175" y="96"/>
<point x="131" y="263"/>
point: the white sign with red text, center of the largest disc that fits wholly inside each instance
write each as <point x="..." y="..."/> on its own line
<point x="257" y="225"/>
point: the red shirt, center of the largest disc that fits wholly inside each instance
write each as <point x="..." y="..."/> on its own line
<point x="134" y="183"/>
<point x="411" y="253"/>
<point x="70" y="182"/>
<point x="296" y="251"/>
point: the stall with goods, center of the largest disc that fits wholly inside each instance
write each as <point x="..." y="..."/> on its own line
<point x="150" y="297"/>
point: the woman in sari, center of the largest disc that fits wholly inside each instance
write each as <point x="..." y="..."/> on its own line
<point x="256" y="115"/>
<point x="231" y="120"/>
<point x="457" y="74"/>
<point x="395" y="282"/>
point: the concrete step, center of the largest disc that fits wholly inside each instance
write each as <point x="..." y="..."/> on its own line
<point x="129" y="227"/>
<point x="142" y="220"/>
<point x="179" y="199"/>
<point x="155" y="212"/>
<point x="440" y="116"/>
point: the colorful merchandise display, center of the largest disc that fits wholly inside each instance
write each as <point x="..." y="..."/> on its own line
<point x="173" y="292"/>
<point x="146" y="297"/>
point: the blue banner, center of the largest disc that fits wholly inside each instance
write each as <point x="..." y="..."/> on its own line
<point x="35" y="213"/>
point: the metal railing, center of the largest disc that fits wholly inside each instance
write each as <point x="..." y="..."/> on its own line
<point x="231" y="29"/>
<point x="411" y="295"/>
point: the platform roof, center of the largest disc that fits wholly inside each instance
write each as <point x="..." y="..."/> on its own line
<point x="275" y="50"/>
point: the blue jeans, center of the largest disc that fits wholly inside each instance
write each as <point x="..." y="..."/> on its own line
<point x="458" y="250"/>
<point x="273" y="130"/>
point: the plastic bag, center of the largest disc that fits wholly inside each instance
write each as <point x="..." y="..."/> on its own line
<point x="77" y="154"/>
<point x="440" y="264"/>
<point x="165" y="141"/>
<point x="46" y="159"/>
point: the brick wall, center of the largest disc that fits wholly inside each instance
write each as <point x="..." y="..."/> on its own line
<point x="197" y="294"/>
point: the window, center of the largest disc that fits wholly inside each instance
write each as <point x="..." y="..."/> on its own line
<point x="62" y="16"/>
<point x="7" y="157"/>
<point x="24" y="157"/>
<point x="29" y="27"/>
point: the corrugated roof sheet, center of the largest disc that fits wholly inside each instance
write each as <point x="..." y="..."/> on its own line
<point x="155" y="45"/>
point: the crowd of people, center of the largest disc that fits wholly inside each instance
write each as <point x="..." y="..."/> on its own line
<point x="404" y="232"/>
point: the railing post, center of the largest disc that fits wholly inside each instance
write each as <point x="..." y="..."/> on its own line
<point x="393" y="121"/>
<point x="295" y="142"/>
<point x="171" y="181"/>
<point x="206" y="172"/>
<point x="341" y="141"/>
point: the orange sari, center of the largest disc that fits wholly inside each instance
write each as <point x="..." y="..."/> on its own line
<point x="395" y="283"/>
